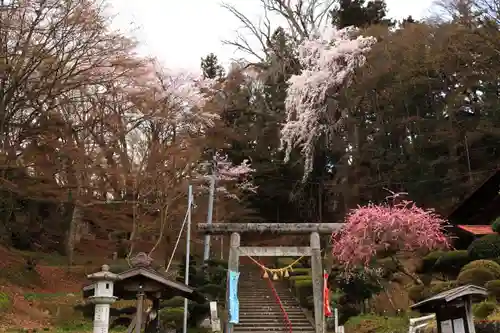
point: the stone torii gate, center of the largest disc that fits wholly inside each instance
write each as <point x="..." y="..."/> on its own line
<point x="314" y="250"/>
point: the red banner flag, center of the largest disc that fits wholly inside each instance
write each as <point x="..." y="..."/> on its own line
<point x="326" y="299"/>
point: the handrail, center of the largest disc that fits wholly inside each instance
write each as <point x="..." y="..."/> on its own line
<point x="286" y="319"/>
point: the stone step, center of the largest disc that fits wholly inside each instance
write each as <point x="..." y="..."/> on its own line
<point x="268" y="330"/>
<point x="270" y="303"/>
<point x="271" y="322"/>
<point x="265" y="300"/>
<point x="265" y="296"/>
<point x="283" y="330"/>
<point x="273" y="329"/>
<point x="275" y="313"/>
<point x="273" y="319"/>
<point x="267" y="307"/>
<point x="272" y="312"/>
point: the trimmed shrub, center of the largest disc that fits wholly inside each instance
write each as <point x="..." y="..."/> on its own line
<point x="217" y="262"/>
<point x="487" y="326"/>
<point x="493" y="288"/>
<point x="303" y="289"/>
<point x="483" y="309"/>
<point x="388" y="266"/>
<point x="300" y="277"/>
<point x="369" y="323"/>
<point x="439" y="287"/>
<point x="293" y="279"/>
<point x="476" y="276"/>
<point x="486" y="247"/>
<point x="172" y="317"/>
<point x="300" y="271"/>
<point x="495" y="226"/>
<point x="4" y="302"/>
<point x="418" y="293"/>
<point x="452" y="262"/>
<point x="429" y="260"/>
<point x="285" y="261"/>
<point x="215" y="291"/>
<point x="174" y="302"/>
<point x="490" y="265"/>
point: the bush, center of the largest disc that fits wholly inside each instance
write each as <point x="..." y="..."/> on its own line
<point x="284" y="262"/>
<point x="217" y="262"/>
<point x="388" y="266"/>
<point x="174" y="302"/>
<point x="303" y="289"/>
<point x="300" y="271"/>
<point x="495" y="226"/>
<point x="487" y="326"/>
<point x="418" y="293"/>
<point x="380" y="324"/>
<point x="439" y="287"/>
<point x="214" y="291"/>
<point x="476" y="276"/>
<point x="451" y="262"/>
<point x="4" y="302"/>
<point x="493" y="288"/>
<point x="429" y="260"/>
<point x="490" y="265"/>
<point x="293" y="279"/>
<point x="486" y="247"/>
<point x="172" y="317"/>
<point x="483" y="309"/>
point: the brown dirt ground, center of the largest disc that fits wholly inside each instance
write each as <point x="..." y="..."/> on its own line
<point x="25" y="313"/>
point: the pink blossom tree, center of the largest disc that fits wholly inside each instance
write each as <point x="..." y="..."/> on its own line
<point x="232" y="180"/>
<point x="388" y="230"/>
<point x="328" y="63"/>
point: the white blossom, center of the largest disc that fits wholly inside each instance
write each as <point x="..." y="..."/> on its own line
<point x="328" y="62"/>
<point x="228" y="173"/>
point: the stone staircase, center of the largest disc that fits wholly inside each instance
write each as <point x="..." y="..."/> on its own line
<point x="259" y="310"/>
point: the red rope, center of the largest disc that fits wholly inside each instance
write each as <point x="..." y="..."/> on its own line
<point x="287" y="321"/>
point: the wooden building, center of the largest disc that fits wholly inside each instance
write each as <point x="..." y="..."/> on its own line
<point x="473" y="217"/>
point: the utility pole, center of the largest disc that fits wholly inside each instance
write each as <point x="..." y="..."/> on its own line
<point x="188" y="248"/>
<point x="206" y="249"/>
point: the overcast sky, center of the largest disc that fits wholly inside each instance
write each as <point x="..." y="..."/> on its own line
<point x="180" y="32"/>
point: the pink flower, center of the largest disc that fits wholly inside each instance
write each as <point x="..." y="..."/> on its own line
<point x="375" y="230"/>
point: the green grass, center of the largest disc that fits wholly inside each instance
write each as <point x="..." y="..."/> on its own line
<point x="19" y="275"/>
<point x="380" y="324"/>
<point x="42" y="296"/>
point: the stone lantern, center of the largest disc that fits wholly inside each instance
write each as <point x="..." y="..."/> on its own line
<point x="103" y="297"/>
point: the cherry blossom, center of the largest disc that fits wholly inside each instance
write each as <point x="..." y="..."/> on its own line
<point x="231" y="179"/>
<point x="328" y="62"/>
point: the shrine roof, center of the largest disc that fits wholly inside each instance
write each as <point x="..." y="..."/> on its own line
<point x="450" y="295"/>
<point x="481" y="206"/>
<point x="479" y="230"/>
<point x="142" y="273"/>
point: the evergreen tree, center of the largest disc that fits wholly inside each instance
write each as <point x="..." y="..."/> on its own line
<point x="211" y="68"/>
<point x="358" y="13"/>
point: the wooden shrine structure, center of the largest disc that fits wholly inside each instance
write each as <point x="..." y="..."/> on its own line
<point x="141" y="282"/>
<point x="453" y="308"/>
<point x="472" y="218"/>
<point x="314" y="230"/>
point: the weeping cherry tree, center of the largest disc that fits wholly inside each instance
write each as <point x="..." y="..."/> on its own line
<point x="328" y="63"/>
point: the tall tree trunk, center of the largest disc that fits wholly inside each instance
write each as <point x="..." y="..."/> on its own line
<point x="73" y="223"/>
